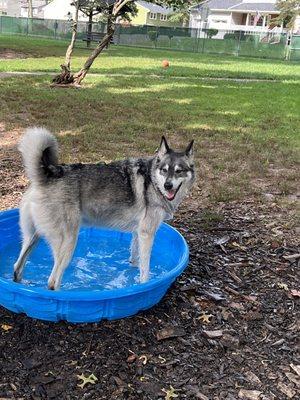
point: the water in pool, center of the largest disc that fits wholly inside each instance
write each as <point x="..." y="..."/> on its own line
<point x="99" y="262"/>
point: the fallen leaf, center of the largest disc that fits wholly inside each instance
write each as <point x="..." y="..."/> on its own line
<point x="215" y="296"/>
<point x="285" y="389"/>
<point x="237" y="306"/>
<point x="201" y="396"/>
<point x="249" y="394"/>
<point x="85" y="380"/>
<point x="144" y="359"/>
<point x="283" y="286"/>
<point x="205" y="318"/>
<point x="295" y="368"/>
<point x="171" y="332"/>
<point x="162" y="359"/>
<point x="235" y="244"/>
<point x="6" y="327"/>
<point x="278" y="342"/>
<point x="170" y="393"/>
<point x="230" y="342"/>
<point x="292" y="257"/>
<point x="295" y="293"/>
<point x="213" y="334"/>
<point x="222" y="240"/>
<point x="252" y="378"/>
<point x="293" y="378"/>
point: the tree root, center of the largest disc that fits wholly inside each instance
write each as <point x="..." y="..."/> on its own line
<point x="65" y="77"/>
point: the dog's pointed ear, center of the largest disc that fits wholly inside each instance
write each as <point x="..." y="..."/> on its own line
<point x="163" y="147"/>
<point x="189" y="151"/>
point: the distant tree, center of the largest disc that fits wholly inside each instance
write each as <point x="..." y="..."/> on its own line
<point x="182" y="15"/>
<point x="211" y="32"/>
<point x="153" y="35"/>
<point x="112" y="10"/>
<point x="289" y="11"/>
<point x="90" y="8"/>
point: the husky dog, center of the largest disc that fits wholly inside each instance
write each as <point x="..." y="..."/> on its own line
<point x="133" y="195"/>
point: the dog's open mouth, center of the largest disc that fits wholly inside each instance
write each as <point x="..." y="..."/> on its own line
<point x="170" y="195"/>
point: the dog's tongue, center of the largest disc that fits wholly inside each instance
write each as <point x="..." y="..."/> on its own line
<point x="171" y="194"/>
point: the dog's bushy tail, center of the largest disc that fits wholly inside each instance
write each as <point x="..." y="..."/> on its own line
<point x="39" y="149"/>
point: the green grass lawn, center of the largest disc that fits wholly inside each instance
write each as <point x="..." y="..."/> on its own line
<point x="247" y="133"/>
<point x="49" y="54"/>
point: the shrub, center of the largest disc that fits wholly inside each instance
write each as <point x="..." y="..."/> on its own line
<point x="153" y="35"/>
<point x="211" y="32"/>
<point x="239" y="35"/>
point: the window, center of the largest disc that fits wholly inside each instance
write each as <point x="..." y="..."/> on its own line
<point x="153" y="15"/>
<point x="163" y="17"/>
<point x="256" y="20"/>
<point x="219" y="21"/>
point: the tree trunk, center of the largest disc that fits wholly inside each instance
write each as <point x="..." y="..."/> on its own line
<point x="89" y="29"/>
<point x="80" y="75"/>
<point x="65" y="76"/>
<point x="76" y="79"/>
<point x="30" y="10"/>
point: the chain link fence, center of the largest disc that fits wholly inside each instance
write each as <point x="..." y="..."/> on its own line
<point x="50" y="28"/>
<point x="239" y="43"/>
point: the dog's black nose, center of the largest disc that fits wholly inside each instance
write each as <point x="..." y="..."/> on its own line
<point x="168" y="185"/>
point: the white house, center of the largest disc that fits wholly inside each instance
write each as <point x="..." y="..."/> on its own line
<point x="62" y="9"/>
<point x="37" y="8"/>
<point x="12" y="8"/>
<point x="245" y="15"/>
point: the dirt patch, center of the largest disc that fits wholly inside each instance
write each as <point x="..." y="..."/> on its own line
<point x="8" y="54"/>
<point x="13" y="181"/>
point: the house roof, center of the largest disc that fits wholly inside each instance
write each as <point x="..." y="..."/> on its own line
<point x="217" y="4"/>
<point x="155" y="8"/>
<point x="237" y="5"/>
<point x="254" y="6"/>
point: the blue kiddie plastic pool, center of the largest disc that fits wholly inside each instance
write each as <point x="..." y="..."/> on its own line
<point x="99" y="282"/>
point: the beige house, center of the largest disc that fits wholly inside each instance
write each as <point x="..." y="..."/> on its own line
<point x="153" y="15"/>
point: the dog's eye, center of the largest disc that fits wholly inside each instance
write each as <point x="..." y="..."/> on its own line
<point x="165" y="170"/>
<point x="179" y="171"/>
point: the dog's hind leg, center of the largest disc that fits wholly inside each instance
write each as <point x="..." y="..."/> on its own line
<point x="62" y="241"/>
<point x="30" y="238"/>
<point x="134" y="250"/>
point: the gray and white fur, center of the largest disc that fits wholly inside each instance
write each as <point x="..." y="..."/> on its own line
<point x="133" y="195"/>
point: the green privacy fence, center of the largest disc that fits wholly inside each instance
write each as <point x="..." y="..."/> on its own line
<point x="238" y="43"/>
<point x="50" y="28"/>
<point x="251" y="44"/>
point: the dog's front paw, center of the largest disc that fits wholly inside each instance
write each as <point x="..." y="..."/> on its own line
<point x="52" y="284"/>
<point x="17" y="277"/>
